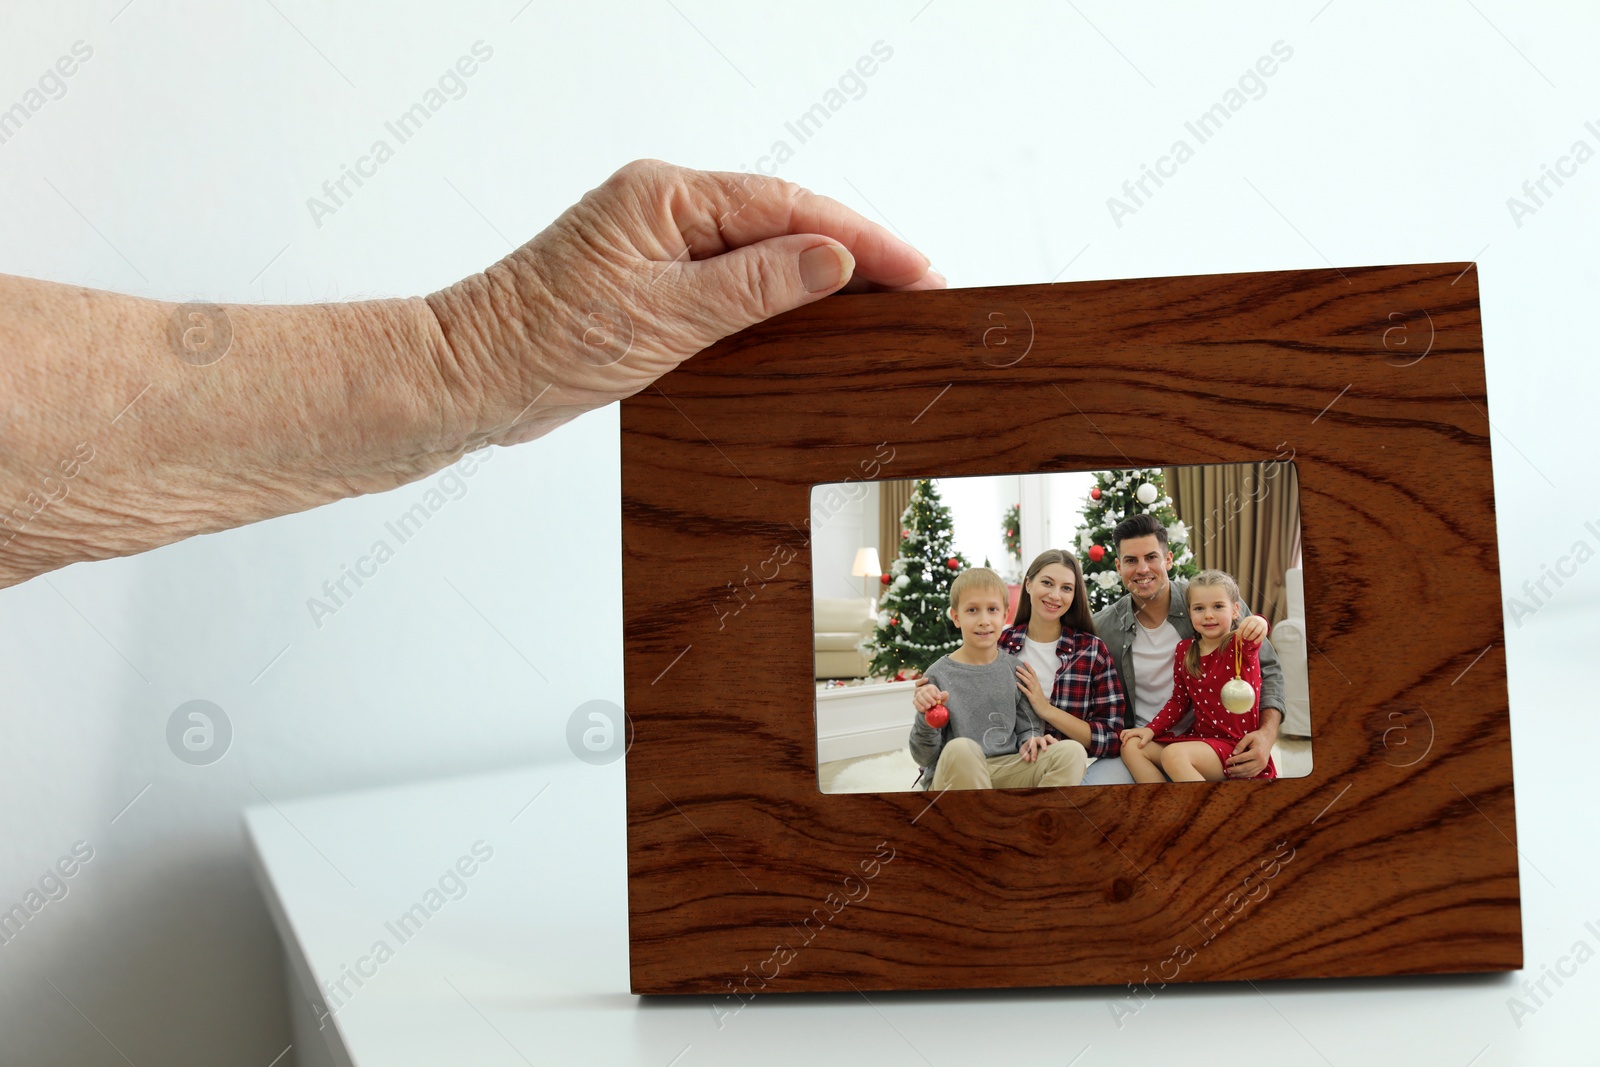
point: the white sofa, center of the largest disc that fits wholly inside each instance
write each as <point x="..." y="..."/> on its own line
<point x="1289" y="641"/>
<point x="838" y="625"/>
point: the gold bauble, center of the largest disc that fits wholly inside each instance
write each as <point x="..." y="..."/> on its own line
<point x="1237" y="696"/>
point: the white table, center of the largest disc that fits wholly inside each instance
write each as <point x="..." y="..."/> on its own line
<point x="860" y="720"/>
<point x="531" y="964"/>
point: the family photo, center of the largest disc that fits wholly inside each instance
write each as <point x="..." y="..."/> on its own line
<point x="1117" y="627"/>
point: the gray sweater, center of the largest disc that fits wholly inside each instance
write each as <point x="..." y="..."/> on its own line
<point x="985" y="705"/>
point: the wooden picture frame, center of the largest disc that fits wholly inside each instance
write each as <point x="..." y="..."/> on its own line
<point x="1397" y="855"/>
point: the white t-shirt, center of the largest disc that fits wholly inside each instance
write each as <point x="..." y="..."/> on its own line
<point x="1153" y="653"/>
<point x="1041" y="656"/>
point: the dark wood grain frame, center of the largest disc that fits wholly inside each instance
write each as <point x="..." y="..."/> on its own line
<point x="1396" y="855"/>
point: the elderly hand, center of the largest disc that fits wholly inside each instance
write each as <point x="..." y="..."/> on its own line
<point x="198" y="418"/>
<point x="649" y="268"/>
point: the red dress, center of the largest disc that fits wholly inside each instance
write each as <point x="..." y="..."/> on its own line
<point x="1214" y="724"/>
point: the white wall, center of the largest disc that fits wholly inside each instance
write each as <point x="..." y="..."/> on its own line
<point x="1066" y="493"/>
<point x="976" y="507"/>
<point x="179" y="162"/>
<point x="842" y="522"/>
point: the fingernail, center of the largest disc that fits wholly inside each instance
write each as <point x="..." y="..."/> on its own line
<point x="823" y="267"/>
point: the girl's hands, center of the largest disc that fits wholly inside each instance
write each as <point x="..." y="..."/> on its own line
<point x="1137" y="737"/>
<point x="1253" y="629"/>
<point x="928" y="695"/>
<point x="1028" y="682"/>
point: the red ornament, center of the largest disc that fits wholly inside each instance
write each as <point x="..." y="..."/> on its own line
<point x="952" y="563"/>
<point x="884" y="578"/>
<point x="1094" y="494"/>
<point x="904" y="534"/>
<point x="937" y="716"/>
<point x="894" y="620"/>
<point x="1097" y="553"/>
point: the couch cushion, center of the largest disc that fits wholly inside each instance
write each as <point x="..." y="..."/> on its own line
<point x="838" y="614"/>
<point x="838" y="642"/>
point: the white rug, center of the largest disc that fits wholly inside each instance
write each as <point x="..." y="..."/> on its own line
<point x="892" y="772"/>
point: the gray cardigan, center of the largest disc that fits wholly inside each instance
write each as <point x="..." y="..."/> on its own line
<point x="1115" y="624"/>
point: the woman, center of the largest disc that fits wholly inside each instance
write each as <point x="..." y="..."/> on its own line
<point x="1053" y="634"/>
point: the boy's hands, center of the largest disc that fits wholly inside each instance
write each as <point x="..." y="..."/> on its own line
<point x="1253" y="629"/>
<point x="1033" y="746"/>
<point x="1137" y="737"/>
<point x="927" y="695"/>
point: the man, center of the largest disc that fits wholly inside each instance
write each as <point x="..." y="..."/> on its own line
<point x="1143" y="630"/>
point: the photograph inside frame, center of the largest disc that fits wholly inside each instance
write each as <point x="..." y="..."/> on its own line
<point x="1023" y="631"/>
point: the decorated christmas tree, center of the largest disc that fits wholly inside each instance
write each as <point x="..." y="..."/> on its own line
<point x="1011" y="531"/>
<point x="1115" y="496"/>
<point x="914" y="626"/>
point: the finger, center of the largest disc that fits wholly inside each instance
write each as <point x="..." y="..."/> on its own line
<point x="732" y="210"/>
<point x="754" y="283"/>
<point x="931" y="280"/>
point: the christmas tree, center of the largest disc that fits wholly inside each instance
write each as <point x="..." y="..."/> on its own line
<point x="1011" y="531"/>
<point x="914" y="626"/>
<point x="1115" y="496"/>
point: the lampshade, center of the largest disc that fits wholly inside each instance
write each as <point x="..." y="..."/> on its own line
<point x="867" y="565"/>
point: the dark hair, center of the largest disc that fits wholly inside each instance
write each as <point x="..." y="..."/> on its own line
<point x="1077" y="616"/>
<point x="1141" y="525"/>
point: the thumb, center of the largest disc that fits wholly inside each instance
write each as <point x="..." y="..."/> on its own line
<point x="748" y="285"/>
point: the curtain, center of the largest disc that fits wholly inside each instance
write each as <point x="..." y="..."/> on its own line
<point x="893" y="496"/>
<point x="1243" y="518"/>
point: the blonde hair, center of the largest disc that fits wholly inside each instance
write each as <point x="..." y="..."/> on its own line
<point x="1211" y="579"/>
<point x="978" y="580"/>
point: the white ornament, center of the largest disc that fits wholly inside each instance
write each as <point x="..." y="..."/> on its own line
<point x="1237" y="696"/>
<point x="1177" y="532"/>
<point x="1146" y="493"/>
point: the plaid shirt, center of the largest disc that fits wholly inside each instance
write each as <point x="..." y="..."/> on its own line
<point x="1087" y="685"/>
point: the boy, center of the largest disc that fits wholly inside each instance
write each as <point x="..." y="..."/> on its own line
<point x="993" y="739"/>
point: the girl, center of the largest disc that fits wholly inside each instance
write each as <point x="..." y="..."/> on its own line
<point x="1067" y="672"/>
<point x="1203" y="665"/>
